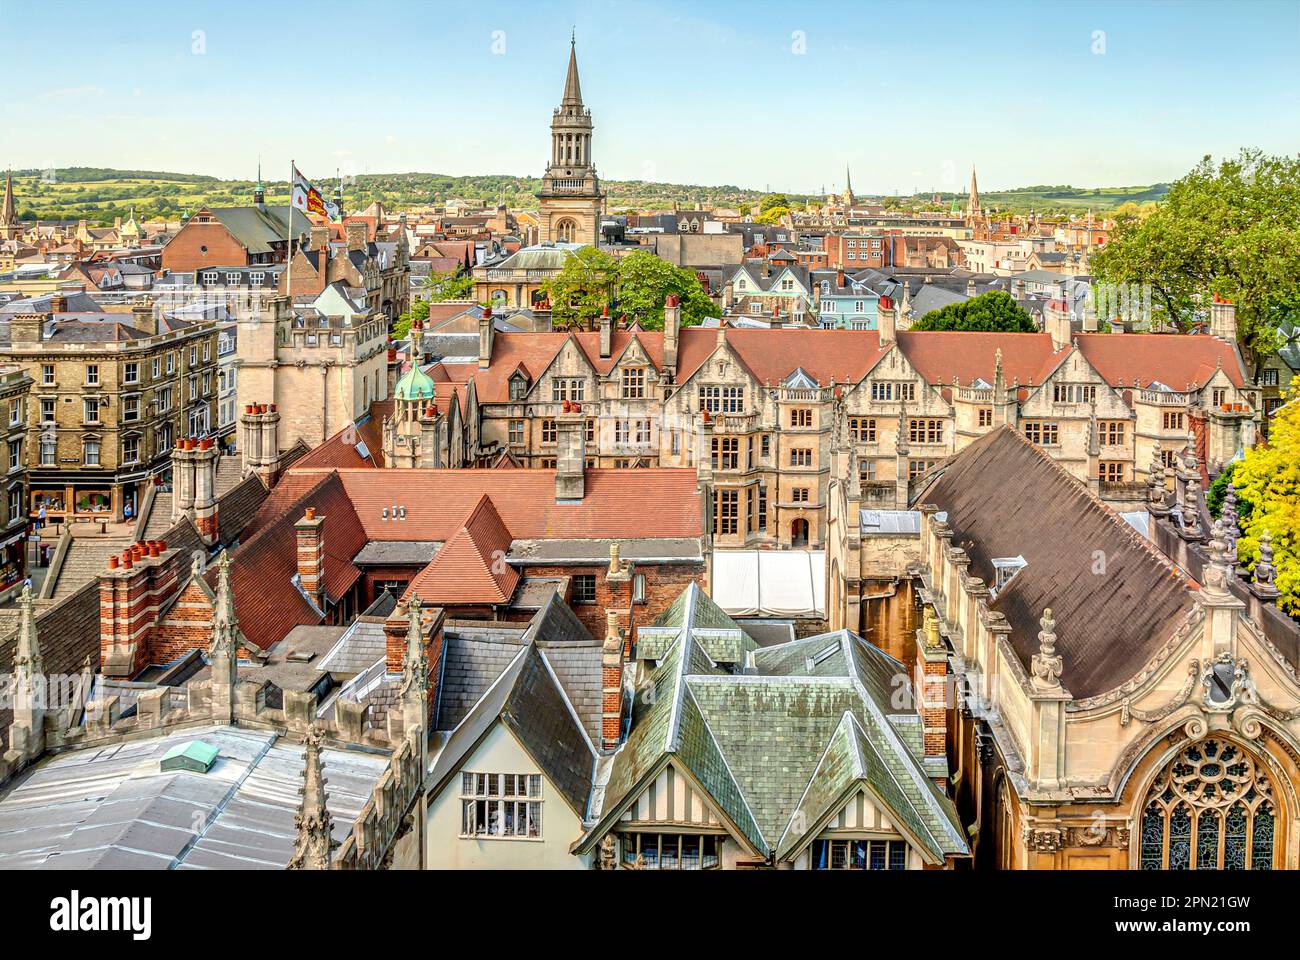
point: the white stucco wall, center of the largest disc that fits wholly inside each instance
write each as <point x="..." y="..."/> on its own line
<point x="500" y="752"/>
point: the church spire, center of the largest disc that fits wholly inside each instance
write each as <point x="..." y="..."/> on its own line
<point x="572" y="89"/>
<point x="7" y="216"/>
<point x="973" y="209"/>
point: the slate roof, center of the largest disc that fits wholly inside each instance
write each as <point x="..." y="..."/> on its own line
<point x="528" y="698"/>
<point x="256" y="228"/>
<point x="704" y="718"/>
<point x="1004" y="498"/>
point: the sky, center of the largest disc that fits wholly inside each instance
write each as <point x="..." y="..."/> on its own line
<point x="909" y="94"/>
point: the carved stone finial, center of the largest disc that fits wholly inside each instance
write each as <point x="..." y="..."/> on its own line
<point x="1046" y="664"/>
<point x="28" y="652"/>
<point x="414" y="688"/>
<point x="1265" y="572"/>
<point x="225" y="627"/>
<point x="311" y="848"/>
<point x="1218" y="572"/>
<point x="1192" y="505"/>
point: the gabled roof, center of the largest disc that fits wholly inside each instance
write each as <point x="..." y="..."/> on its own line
<point x="703" y="719"/>
<point x="471" y="567"/>
<point x="268" y="602"/>
<point x="1177" y="359"/>
<point x="1003" y="498"/>
<point x="529" y="700"/>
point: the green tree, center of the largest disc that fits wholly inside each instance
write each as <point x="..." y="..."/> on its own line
<point x="772" y="215"/>
<point x="582" y="289"/>
<point x="773" y="200"/>
<point x="449" y="285"/>
<point x="1267" y="483"/>
<point x="994" y="311"/>
<point x="643" y="282"/>
<point x="1231" y="229"/>
<point x="402" y="326"/>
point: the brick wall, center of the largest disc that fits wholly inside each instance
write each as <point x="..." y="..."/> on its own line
<point x="186" y="626"/>
<point x="129" y="602"/>
<point x="186" y="251"/>
<point x="663" y="583"/>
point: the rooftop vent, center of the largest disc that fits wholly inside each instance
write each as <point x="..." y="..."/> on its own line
<point x="194" y="756"/>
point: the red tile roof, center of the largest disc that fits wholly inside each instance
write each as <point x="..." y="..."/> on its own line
<point x="618" y="504"/>
<point x="1173" y="359"/>
<point x="845" y="356"/>
<point x="267" y="602"/>
<point x="940" y="355"/>
<point x="471" y="567"/>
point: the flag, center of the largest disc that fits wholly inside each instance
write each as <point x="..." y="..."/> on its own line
<point x="310" y="200"/>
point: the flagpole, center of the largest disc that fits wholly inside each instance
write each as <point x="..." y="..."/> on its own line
<point x="289" y="232"/>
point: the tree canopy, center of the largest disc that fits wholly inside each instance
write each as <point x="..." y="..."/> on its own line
<point x="1267" y="485"/>
<point x="582" y="289"/>
<point x="992" y="312"/>
<point x="636" y="285"/>
<point x="1231" y="229"/>
<point x="448" y="285"/>
<point x="644" y="281"/>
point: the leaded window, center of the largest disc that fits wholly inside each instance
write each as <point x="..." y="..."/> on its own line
<point x="1211" y="808"/>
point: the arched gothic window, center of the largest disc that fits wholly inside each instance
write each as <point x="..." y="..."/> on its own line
<point x="566" y="231"/>
<point x="1211" y="808"/>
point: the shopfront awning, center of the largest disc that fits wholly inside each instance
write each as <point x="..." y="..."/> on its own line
<point x="770" y="583"/>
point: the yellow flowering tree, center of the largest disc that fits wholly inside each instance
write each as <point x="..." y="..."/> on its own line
<point x="1268" y="478"/>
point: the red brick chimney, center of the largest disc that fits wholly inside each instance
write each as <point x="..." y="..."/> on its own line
<point x="611" y="673"/>
<point x="311" y="556"/>
<point x="136" y="585"/>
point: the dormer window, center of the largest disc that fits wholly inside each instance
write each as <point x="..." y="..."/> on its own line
<point x="1005" y="570"/>
<point x="518" y="387"/>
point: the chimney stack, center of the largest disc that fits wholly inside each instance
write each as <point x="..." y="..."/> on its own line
<point x="571" y="454"/>
<point x="611" y="672"/>
<point x="1223" y="319"/>
<point x="311" y="556"/>
<point x="606" y="334"/>
<point x="204" y="464"/>
<point x="672" y="330"/>
<point x="886" y="320"/>
<point x="485" y="335"/>
<point x="355" y="231"/>
<point x="132" y="591"/>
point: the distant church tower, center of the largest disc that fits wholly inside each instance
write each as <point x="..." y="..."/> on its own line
<point x="8" y="218"/>
<point x="571" y="198"/>
<point x="848" y="189"/>
<point x="973" y="209"/>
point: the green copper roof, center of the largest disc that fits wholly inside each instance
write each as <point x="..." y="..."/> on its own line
<point x="782" y="747"/>
<point x="415" y="384"/>
<point x="195" y="756"/>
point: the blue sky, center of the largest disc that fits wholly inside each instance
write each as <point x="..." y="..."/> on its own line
<point x="911" y="94"/>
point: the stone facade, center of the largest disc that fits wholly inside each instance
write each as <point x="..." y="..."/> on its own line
<point x="104" y="414"/>
<point x="321" y="370"/>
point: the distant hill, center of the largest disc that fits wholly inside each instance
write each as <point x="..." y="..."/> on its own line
<point x="98" y="195"/>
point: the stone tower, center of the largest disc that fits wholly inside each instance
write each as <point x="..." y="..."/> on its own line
<point x="571" y="198"/>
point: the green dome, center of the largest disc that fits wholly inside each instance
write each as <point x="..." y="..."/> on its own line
<point x="415" y="384"/>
